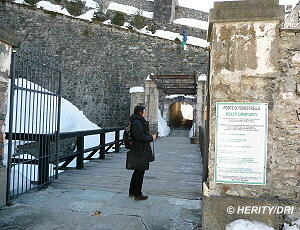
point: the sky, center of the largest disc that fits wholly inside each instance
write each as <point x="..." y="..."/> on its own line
<point x="205" y="5"/>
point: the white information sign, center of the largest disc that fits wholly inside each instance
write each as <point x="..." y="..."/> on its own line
<point x="241" y="142"/>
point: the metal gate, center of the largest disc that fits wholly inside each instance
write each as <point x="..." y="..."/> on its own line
<point x="34" y="121"/>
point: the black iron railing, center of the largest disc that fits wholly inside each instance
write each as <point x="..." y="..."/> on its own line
<point x="40" y="150"/>
<point x="80" y="150"/>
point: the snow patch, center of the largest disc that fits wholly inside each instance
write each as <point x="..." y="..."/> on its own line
<point x="202" y="77"/>
<point x="187" y="111"/>
<point x="21" y="2"/>
<point x="89" y="15"/>
<point x="296" y="58"/>
<point x="130" y="10"/>
<point x="91" y="4"/>
<point x="295" y="225"/>
<point x="107" y="22"/>
<point x="192" y="130"/>
<point x="172" y="36"/>
<point x="247" y="225"/>
<point x="163" y="128"/>
<point x="137" y="90"/>
<point x="288" y="227"/>
<point x="179" y="95"/>
<point x="192" y="23"/>
<point x="52" y="7"/>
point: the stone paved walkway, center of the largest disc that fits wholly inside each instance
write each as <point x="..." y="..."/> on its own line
<point x="96" y="197"/>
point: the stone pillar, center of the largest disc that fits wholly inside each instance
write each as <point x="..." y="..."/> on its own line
<point x="244" y="37"/>
<point x="151" y="103"/>
<point x="136" y="98"/>
<point x="201" y="95"/>
<point x="164" y="10"/>
<point x="7" y="41"/>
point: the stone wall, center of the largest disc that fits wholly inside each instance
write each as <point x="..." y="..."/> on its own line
<point x="286" y="121"/>
<point x="235" y="78"/>
<point x="164" y="10"/>
<point x="5" y="58"/>
<point x="254" y="80"/>
<point x="183" y="12"/>
<point x="7" y="41"/>
<point x="100" y="62"/>
<point x="253" y="61"/>
<point x="293" y="21"/>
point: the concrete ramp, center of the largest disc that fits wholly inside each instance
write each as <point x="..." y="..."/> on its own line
<point x="96" y="197"/>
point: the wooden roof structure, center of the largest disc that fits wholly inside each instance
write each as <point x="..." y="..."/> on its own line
<point x="176" y="84"/>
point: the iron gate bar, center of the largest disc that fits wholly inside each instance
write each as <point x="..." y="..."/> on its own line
<point x="11" y="108"/>
<point x="35" y="91"/>
<point x="33" y="79"/>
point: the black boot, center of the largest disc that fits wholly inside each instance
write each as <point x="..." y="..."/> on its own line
<point x="141" y="197"/>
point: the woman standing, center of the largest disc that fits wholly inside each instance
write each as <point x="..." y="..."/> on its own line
<point x="140" y="153"/>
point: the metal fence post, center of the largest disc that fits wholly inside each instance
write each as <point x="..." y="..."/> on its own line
<point x="102" y="143"/>
<point x="11" y="103"/>
<point x="117" y="138"/>
<point x="44" y="160"/>
<point x="80" y="149"/>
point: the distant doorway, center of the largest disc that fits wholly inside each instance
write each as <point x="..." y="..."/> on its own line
<point x="181" y="115"/>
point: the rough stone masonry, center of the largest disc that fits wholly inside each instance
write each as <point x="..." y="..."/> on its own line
<point x="7" y="41"/>
<point x="253" y="61"/>
<point x="100" y="62"/>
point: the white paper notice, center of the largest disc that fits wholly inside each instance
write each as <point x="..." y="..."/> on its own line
<point x="241" y="143"/>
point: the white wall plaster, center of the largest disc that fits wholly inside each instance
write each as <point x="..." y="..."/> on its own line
<point x="5" y="58"/>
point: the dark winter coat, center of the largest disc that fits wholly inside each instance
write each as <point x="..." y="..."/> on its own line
<point x="140" y="153"/>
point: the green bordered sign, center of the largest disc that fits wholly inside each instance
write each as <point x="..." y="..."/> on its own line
<point x="241" y="143"/>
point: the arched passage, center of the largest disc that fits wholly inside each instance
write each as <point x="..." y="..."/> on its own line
<point x="181" y="115"/>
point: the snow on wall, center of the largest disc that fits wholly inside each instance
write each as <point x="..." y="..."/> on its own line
<point x="192" y="23"/>
<point x="179" y="95"/>
<point x="52" y="7"/>
<point x="137" y="90"/>
<point x="130" y="10"/>
<point x="89" y="15"/>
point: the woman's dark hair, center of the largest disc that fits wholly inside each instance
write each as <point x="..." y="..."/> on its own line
<point x="139" y="109"/>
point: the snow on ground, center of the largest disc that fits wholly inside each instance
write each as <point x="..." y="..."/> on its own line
<point x="89" y="15"/>
<point x="247" y="225"/>
<point x="52" y="7"/>
<point x="192" y="130"/>
<point x="136" y="90"/>
<point x="192" y="23"/>
<point x="180" y="95"/>
<point x="295" y="225"/>
<point x="130" y="10"/>
<point x="163" y="128"/>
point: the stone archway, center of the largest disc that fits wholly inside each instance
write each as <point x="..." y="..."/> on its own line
<point x="181" y="88"/>
<point x="181" y="115"/>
